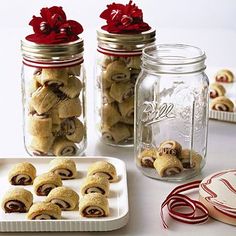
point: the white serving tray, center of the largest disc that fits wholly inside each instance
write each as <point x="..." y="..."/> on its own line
<point x="71" y="220"/>
<point x="230" y="93"/>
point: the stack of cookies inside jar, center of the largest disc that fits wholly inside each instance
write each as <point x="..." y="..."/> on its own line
<point x="120" y="45"/>
<point x="54" y="111"/>
<point x="53" y="85"/>
<point x="169" y="159"/>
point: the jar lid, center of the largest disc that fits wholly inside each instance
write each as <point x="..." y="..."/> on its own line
<point x="48" y="52"/>
<point x="125" y="41"/>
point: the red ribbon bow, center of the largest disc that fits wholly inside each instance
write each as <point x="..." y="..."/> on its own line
<point x="53" y="27"/>
<point x="198" y="212"/>
<point x="123" y="19"/>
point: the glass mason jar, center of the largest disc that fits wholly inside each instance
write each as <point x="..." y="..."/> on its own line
<point x="171" y="112"/>
<point x="117" y="68"/>
<point x="53" y="89"/>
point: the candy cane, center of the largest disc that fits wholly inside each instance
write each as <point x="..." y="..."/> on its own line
<point x="175" y="200"/>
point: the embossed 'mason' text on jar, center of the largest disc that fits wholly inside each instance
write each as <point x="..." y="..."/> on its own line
<point x="171" y="112"/>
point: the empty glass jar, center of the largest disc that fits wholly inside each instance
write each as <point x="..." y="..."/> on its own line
<point x="118" y="66"/>
<point x="171" y="112"/>
<point x="53" y="89"/>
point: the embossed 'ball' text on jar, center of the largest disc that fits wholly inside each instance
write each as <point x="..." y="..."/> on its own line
<point x="53" y="89"/>
<point x="117" y="68"/>
<point x="171" y="112"/>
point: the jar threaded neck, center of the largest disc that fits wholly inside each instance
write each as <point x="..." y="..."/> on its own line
<point x="173" y="59"/>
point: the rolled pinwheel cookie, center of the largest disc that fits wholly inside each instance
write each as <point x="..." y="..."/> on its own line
<point x="134" y="73"/>
<point x="63" y="147"/>
<point x="105" y="84"/>
<point x="117" y="71"/>
<point x="222" y="104"/>
<point x="190" y="159"/>
<point x="95" y="184"/>
<point x="17" y="200"/>
<point x="66" y="198"/>
<point x="40" y="125"/>
<point x="54" y="115"/>
<point x="129" y="120"/>
<point x="117" y="133"/>
<point x="147" y="157"/>
<point x="106" y="97"/>
<point x="167" y="165"/>
<point x="170" y="147"/>
<point x="43" y="99"/>
<point x="134" y="62"/>
<point x="103" y="169"/>
<point x="44" y="211"/>
<point x="74" y="130"/>
<point x="34" y="83"/>
<point x="126" y="108"/>
<point x="131" y="131"/>
<point x="57" y="76"/>
<point x="56" y="130"/>
<point x="74" y="70"/>
<point x="224" y="76"/>
<point x="73" y="88"/>
<point x="122" y="91"/>
<point x="216" y="90"/>
<point x="105" y="61"/>
<point x="64" y="167"/>
<point x="44" y="183"/>
<point x="110" y="114"/>
<point x="41" y="145"/>
<point x="22" y="173"/>
<point x="69" y="108"/>
<point x="94" y="205"/>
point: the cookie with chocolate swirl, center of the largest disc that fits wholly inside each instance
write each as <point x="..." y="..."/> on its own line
<point x="222" y="104"/>
<point x="103" y="169"/>
<point x="66" y="198"/>
<point x="117" y="71"/>
<point x="171" y="147"/>
<point x="22" y="173"/>
<point x="95" y="184"/>
<point x="168" y="165"/>
<point x="94" y="205"/>
<point x="44" y="211"/>
<point x="17" y="200"/>
<point x="224" y="76"/>
<point x="64" y="167"/>
<point x="44" y="183"/>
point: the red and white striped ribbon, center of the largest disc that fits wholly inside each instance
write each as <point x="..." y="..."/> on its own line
<point x="119" y="53"/>
<point x="197" y="212"/>
<point x="53" y="64"/>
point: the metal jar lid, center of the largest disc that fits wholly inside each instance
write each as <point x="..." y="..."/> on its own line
<point x="125" y="42"/>
<point x="48" y="52"/>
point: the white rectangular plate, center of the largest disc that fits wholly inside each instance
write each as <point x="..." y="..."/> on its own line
<point x="230" y="93"/>
<point x="71" y="220"/>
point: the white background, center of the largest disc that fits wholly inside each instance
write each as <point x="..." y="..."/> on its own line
<point x="209" y="24"/>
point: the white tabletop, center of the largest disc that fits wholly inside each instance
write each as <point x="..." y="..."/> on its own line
<point x="145" y="194"/>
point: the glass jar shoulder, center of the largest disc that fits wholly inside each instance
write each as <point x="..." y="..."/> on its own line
<point x="148" y="76"/>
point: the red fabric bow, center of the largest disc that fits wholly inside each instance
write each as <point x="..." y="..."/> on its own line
<point x="123" y="19"/>
<point x="53" y="27"/>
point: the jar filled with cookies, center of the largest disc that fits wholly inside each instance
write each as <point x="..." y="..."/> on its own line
<point x="120" y="45"/>
<point x="53" y="86"/>
<point x="171" y="112"/>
